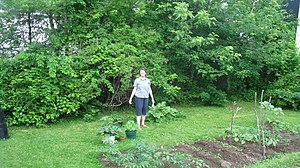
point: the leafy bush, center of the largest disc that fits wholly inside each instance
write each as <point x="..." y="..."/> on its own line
<point x="161" y="113"/>
<point x="207" y="95"/>
<point x="216" y="97"/>
<point x="144" y="155"/>
<point x="286" y="91"/>
<point x="39" y="88"/>
<point x="110" y="130"/>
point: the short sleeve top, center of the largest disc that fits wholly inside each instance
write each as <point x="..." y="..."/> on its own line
<point x="142" y="86"/>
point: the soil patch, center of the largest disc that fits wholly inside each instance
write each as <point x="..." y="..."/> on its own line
<point x="106" y="163"/>
<point x="222" y="153"/>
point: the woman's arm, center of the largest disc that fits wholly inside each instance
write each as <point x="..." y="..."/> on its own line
<point x="132" y="94"/>
<point x="151" y="95"/>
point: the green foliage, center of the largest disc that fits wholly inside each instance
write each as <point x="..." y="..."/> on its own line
<point x="22" y="23"/>
<point x="271" y="128"/>
<point x="194" y="51"/>
<point x="145" y="155"/>
<point x="269" y="107"/>
<point x="286" y="90"/>
<point x="40" y="88"/>
<point x="254" y="30"/>
<point x="208" y="96"/>
<point x="109" y="126"/>
<point x="131" y="126"/>
<point x="243" y="135"/>
<point x="163" y="113"/>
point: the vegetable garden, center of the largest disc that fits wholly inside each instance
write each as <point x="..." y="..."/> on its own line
<point x="238" y="147"/>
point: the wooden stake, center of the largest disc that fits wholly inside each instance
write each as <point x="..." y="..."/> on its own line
<point x="234" y="111"/>
<point x="257" y="118"/>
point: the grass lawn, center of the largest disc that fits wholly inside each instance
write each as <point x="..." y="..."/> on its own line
<point x="74" y="143"/>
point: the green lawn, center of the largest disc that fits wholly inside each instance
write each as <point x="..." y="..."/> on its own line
<point x="75" y="143"/>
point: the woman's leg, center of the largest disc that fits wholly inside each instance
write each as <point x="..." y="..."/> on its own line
<point x="138" y="109"/>
<point x="145" y="110"/>
<point x="143" y="120"/>
<point x="138" y="121"/>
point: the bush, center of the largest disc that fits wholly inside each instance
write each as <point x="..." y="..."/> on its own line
<point x="206" y="96"/>
<point x="161" y="112"/>
<point x="40" y="88"/>
<point x="285" y="92"/>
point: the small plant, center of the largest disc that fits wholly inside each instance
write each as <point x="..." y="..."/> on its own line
<point x="268" y="133"/>
<point x="234" y="110"/>
<point x="117" y="120"/>
<point x="145" y="155"/>
<point x="243" y="135"/>
<point x="130" y="129"/>
<point x="120" y="136"/>
<point x="265" y="108"/>
<point x="109" y="128"/>
<point x="130" y="126"/>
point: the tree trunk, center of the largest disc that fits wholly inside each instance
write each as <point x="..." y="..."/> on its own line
<point x="51" y="20"/>
<point x="29" y="27"/>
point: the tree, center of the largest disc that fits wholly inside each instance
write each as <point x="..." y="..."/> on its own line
<point x="262" y="33"/>
<point x="22" y="23"/>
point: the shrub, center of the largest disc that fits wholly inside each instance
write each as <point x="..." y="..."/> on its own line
<point x="39" y="88"/>
<point x="206" y="96"/>
<point x="161" y="112"/>
<point x="286" y="91"/>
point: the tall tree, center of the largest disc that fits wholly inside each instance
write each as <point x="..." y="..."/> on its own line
<point x="22" y="23"/>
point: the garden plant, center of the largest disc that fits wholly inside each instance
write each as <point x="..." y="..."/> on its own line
<point x="109" y="129"/>
<point x="131" y="129"/>
<point x="268" y="131"/>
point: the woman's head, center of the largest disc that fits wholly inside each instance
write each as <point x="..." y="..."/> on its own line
<point x="142" y="72"/>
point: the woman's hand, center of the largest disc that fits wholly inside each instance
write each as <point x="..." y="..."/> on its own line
<point x="130" y="101"/>
<point x="153" y="102"/>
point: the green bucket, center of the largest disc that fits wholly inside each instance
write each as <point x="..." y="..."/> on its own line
<point x="130" y="135"/>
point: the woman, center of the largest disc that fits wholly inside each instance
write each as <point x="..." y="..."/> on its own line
<point x="141" y="91"/>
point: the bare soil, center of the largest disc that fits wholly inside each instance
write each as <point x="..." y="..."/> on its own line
<point x="223" y="153"/>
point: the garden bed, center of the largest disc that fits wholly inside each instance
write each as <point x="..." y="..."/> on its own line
<point x="222" y="153"/>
